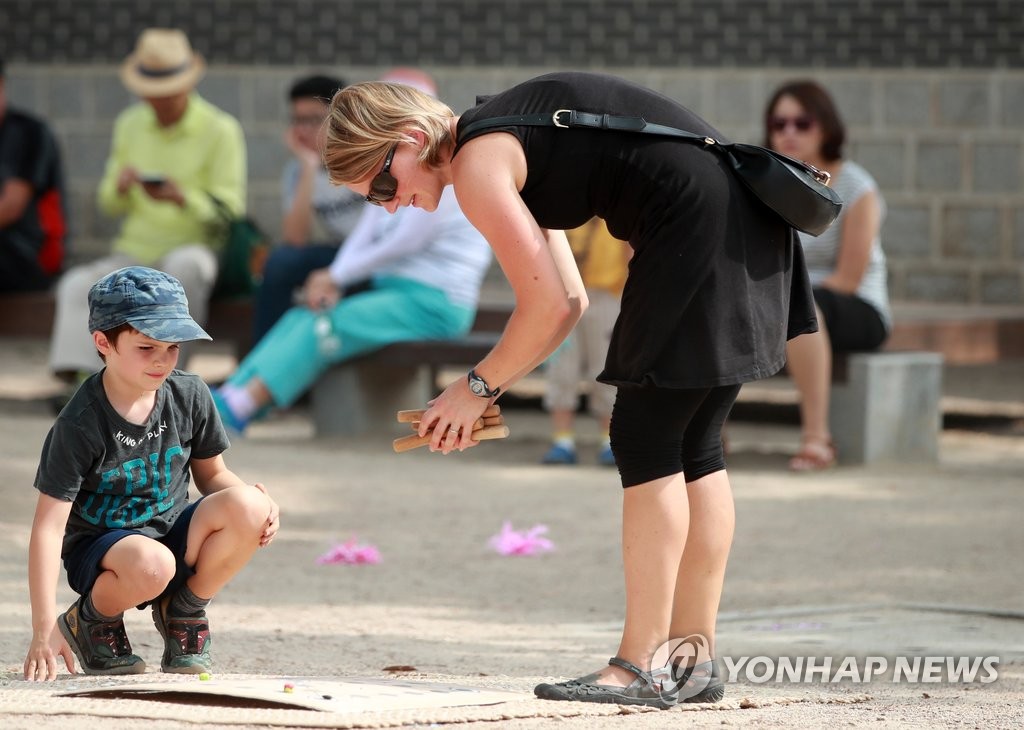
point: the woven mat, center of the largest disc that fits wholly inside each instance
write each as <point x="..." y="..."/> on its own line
<point x="22" y="700"/>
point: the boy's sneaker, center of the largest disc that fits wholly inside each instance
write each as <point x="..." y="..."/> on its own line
<point x="186" y="640"/>
<point x="102" y="647"/>
<point x="559" y="454"/>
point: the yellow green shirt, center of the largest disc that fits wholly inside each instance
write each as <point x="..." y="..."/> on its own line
<point x="204" y="153"/>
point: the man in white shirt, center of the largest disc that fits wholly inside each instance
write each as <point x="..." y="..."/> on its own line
<point x="318" y="216"/>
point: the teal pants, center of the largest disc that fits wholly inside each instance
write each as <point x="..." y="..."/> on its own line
<point x="289" y="359"/>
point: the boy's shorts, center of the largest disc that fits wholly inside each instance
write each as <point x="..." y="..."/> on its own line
<point x="83" y="564"/>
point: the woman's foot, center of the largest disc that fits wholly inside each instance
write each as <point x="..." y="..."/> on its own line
<point x="643" y="688"/>
<point x="702" y="683"/>
<point x="814" y="455"/>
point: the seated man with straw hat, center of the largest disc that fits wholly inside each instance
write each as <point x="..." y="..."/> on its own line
<point x="172" y="157"/>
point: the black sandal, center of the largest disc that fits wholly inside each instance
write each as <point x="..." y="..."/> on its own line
<point x="700" y="683"/>
<point x="645" y="690"/>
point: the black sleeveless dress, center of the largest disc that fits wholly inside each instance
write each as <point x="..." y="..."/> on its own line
<point x="717" y="282"/>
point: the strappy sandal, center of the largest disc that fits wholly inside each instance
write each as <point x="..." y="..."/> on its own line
<point x="645" y="690"/>
<point x="814" y="456"/>
<point x="700" y="683"/>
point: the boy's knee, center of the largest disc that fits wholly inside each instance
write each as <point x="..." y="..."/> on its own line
<point x="248" y="509"/>
<point x="153" y="569"/>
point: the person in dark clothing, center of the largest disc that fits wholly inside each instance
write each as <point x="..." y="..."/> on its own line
<point x="32" y="213"/>
<point x="716" y="286"/>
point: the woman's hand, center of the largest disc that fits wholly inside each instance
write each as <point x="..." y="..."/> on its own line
<point x="320" y="291"/>
<point x="451" y="415"/>
<point x="41" y="661"/>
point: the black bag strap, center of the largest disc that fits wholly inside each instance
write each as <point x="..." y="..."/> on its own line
<point x="572" y="119"/>
<point x="223" y="211"/>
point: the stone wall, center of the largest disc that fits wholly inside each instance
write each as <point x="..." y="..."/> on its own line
<point x="932" y="92"/>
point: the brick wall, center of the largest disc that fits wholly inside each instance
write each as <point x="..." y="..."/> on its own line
<point x="932" y="91"/>
<point x="639" y="33"/>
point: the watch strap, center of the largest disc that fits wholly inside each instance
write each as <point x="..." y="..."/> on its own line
<point x="472" y="377"/>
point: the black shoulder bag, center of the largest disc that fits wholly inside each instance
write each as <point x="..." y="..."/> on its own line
<point x="797" y="192"/>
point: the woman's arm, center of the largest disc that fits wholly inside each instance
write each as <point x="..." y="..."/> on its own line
<point x="549" y="293"/>
<point x="860" y="229"/>
<point x="576" y="292"/>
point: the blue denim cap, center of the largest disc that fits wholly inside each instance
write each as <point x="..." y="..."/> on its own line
<point x="151" y="301"/>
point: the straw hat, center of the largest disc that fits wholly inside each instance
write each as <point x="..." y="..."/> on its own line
<point x="163" y="64"/>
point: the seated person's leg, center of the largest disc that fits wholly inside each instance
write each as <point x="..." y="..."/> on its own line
<point x="195" y="266"/>
<point x="285" y="271"/>
<point x="71" y="346"/>
<point x="19" y="271"/>
<point x="286" y="362"/>
<point x="853" y="324"/>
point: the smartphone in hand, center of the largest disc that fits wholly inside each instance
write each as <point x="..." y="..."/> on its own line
<point x="152" y="178"/>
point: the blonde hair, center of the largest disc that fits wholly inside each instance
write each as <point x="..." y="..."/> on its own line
<point x="368" y="119"/>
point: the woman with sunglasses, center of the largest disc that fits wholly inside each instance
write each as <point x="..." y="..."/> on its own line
<point x="846" y="262"/>
<point x="716" y="285"/>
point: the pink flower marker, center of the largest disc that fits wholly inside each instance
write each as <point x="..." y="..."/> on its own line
<point x="515" y="542"/>
<point x="350" y="553"/>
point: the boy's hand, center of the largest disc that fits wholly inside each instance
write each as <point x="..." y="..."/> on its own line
<point x="41" y="662"/>
<point x="273" y="522"/>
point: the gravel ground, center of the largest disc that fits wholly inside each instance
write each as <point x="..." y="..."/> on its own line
<point x="875" y="561"/>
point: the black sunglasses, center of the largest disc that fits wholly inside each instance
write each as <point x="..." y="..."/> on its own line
<point x="384" y="185"/>
<point x="800" y="124"/>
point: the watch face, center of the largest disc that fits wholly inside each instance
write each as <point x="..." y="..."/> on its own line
<point x="477" y="387"/>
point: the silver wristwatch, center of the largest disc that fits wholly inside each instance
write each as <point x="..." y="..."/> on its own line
<point x="479" y="386"/>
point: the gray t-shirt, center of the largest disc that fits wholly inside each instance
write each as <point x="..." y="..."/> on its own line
<point x="336" y="209"/>
<point x="124" y="476"/>
<point x="822" y="252"/>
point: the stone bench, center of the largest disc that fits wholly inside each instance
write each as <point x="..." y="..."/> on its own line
<point x="886" y="407"/>
<point x="362" y="395"/>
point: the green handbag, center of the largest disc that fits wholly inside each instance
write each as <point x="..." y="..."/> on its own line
<point x="243" y="253"/>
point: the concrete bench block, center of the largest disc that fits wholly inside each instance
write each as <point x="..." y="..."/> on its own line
<point x="888" y="409"/>
<point x="362" y="396"/>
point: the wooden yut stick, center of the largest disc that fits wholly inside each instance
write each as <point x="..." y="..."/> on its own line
<point x="417" y="415"/>
<point x="414" y="440"/>
<point x="477" y="424"/>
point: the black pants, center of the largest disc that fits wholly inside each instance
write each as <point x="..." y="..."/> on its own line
<point x="20" y="274"/>
<point x="658" y="432"/>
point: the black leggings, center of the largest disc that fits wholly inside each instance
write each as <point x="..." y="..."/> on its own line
<point x="658" y="432"/>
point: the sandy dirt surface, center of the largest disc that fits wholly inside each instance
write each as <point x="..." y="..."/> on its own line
<point x="878" y="561"/>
